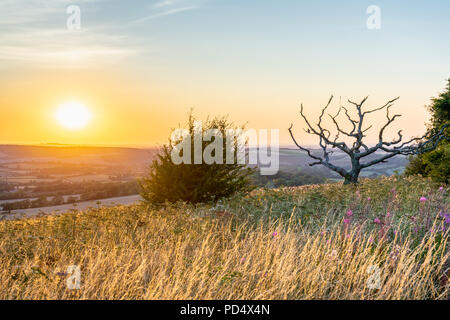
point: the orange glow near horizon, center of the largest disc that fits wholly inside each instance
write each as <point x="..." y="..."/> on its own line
<point x="129" y="110"/>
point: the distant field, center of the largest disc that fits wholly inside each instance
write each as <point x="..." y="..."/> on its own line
<point x="104" y="161"/>
<point x="89" y="177"/>
<point x="28" y="179"/>
<point x="28" y="166"/>
<point x="76" y="154"/>
<point x="25" y="167"/>
<point x="28" y="213"/>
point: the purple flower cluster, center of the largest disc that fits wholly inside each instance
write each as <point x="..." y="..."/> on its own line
<point x="348" y="216"/>
<point x="446" y="217"/>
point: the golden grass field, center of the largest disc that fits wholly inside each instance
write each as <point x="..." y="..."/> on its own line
<point x="290" y="243"/>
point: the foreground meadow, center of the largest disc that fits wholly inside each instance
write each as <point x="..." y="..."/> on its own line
<point x="385" y="239"/>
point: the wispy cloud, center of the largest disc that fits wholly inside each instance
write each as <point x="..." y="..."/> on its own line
<point x="44" y="47"/>
<point x="20" y="12"/>
<point x="169" y="7"/>
<point x="34" y="32"/>
<point x="164" y="3"/>
<point x="164" y="13"/>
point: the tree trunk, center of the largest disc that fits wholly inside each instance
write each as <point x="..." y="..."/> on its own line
<point x="352" y="176"/>
<point x="351" y="179"/>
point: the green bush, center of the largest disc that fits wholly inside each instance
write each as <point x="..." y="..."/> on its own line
<point x="436" y="163"/>
<point x="194" y="183"/>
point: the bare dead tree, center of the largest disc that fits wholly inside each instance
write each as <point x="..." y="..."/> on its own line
<point x="359" y="149"/>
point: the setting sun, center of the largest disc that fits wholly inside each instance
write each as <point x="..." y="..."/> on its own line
<point x="73" y="115"/>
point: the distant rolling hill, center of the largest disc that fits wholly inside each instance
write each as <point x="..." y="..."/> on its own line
<point x="295" y="159"/>
<point x="69" y="154"/>
<point x="289" y="158"/>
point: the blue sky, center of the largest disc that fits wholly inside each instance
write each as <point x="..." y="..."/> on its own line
<point x="251" y="33"/>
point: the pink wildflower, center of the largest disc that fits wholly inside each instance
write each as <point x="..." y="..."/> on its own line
<point x="274" y="234"/>
<point x="423" y="199"/>
<point x="349" y="213"/>
<point x="346" y="221"/>
<point x="376" y="220"/>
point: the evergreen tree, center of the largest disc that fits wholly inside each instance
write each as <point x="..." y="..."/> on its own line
<point x="194" y="183"/>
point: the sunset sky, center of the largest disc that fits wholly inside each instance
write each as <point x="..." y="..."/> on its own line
<point x="139" y="66"/>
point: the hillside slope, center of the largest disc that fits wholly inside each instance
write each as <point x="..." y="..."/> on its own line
<point x="387" y="239"/>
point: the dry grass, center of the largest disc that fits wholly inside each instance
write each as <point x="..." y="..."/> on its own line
<point x="182" y="252"/>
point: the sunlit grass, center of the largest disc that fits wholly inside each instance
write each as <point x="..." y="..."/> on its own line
<point x="284" y="244"/>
